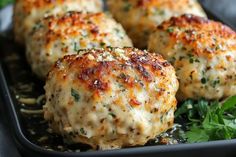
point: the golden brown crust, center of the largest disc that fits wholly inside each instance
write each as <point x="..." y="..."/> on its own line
<point x="119" y="96"/>
<point x="29" y="12"/>
<point x="203" y="54"/>
<point x="192" y="30"/>
<point x="145" y="15"/>
<point x="57" y="36"/>
<point x="147" y="65"/>
<point x="29" y="5"/>
<point x="75" y="21"/>
<point x="174" y="5"/>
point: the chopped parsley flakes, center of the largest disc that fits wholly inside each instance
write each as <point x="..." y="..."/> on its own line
<point x="209" y="121"/>
<point x="75" y="94"/>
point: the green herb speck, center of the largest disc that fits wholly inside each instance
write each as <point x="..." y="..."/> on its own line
<point x="170" y="30"/>
<point x="191" y="60"/>
<point x="215" y="83"/>
<point x="3" y="3"/>
<point x="112" y="114"/>
<point x="102" y="44"/>
<point x="82" y="131"/>
<point x="75" y="94"/>
<point x="76" y="47"/>
<point x="127" y="6"/>
<point x="203" y="80"/>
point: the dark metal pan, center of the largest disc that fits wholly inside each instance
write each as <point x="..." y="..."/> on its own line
<point x="16" y="80"/>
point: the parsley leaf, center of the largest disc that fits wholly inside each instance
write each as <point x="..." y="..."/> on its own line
<point x="197" y="135"/>
<point x="170" y="30"/>
<point x="76" y="46"/>
<point x="229" y="104"/>
<point x="209" y="121"/>
<point x="127" y="6"/>
<point x="3" y="3"/>
<point x="112" y="114"/>
<point x="75" y="94"/>
<point x="82" y="131"/>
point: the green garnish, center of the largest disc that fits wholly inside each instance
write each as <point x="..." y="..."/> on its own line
<point x="82" y="131"/>
<point x="191" y="60"/>
<point x="203" y="80"/>
<point x="127" y="6"/>
<point x="37" y="26"/>
<point x="162" y="12"/>
<point x="3" y="3"/>
<point x="158" y="11"/>
<point x="170" y="30"/>
<point x="216" y="82"/>
<point x="76" y="46"/>
<point x="75" y="94"/>
<point x="209" y="121"/>
<point x="112" y="114"/>
<point x="102" y="44"/>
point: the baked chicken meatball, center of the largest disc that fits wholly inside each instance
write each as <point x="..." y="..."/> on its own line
<point x="28" y="12"/>
<point x="111" y="98"/>
<point x="57" y="36"/>
<point x="140" y="17"/>
<point x="203" y="53"/>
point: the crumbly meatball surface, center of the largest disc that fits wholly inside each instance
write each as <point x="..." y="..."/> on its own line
<point x="57" y="36"/>
<point x="203" y="53"/>
<point x="111" y="98"/>
<point x="140" y="17"/>
<point x="28" y="12"/>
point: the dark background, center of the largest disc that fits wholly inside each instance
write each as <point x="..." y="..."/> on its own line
<point x="224" y="9"/>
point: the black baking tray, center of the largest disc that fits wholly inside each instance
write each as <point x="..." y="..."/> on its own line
<point x="14" y="70"/>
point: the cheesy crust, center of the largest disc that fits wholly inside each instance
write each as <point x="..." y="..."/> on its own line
<point x="203" y="53"/>
<point x="57" y="36"/>
<point x="140" y="17"/>
<point x="29" y="12"/>
<point x="111" y="98"/>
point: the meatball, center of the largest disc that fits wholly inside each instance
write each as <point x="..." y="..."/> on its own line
<point x="203" y="53"/>
<point x="28" y="12"/>
<point x="140" y="17"/>
<point x="57" y="36"/>
<point x="111" y="98"/>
